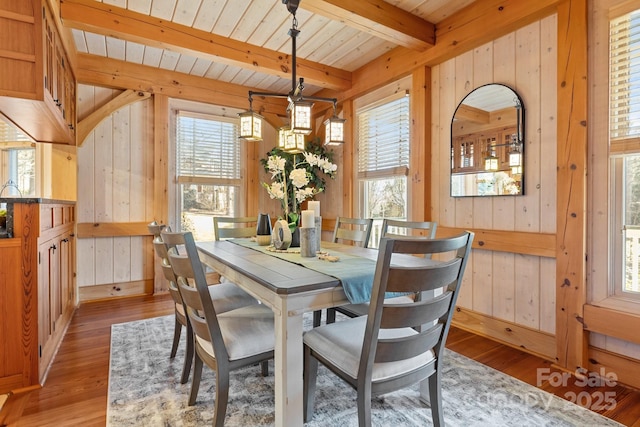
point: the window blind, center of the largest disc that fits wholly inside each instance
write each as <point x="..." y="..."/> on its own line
<point x="9" y="133"/>
<point x="624" y="68"/>
<point x="207" y="147"/>
<point x="383" y="138"/>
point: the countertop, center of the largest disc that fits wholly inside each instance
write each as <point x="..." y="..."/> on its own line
<point x="28" y="200"/>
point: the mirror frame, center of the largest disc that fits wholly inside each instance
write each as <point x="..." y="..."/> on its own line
<point x="505" y="174"/>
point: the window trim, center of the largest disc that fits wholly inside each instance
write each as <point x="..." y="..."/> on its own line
<point x="206" y="110"/>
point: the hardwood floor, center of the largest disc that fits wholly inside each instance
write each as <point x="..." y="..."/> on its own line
<point x="75" y="392"/>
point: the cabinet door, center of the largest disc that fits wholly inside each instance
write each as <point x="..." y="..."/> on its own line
<point x="44" y="296"/>
<point x="67" y="293"/>
<point x="49" y="39"/>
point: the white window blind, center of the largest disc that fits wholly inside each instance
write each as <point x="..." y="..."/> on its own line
<point x="624" y="102"/>
<point x="10" y="133"/>
<point x="383" y="139"/>
<point x="207" y="147"/>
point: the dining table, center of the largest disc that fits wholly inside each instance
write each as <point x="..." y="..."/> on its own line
<point x="290" y="285"/>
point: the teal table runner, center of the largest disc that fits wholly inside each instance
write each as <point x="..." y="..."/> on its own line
<point x="354" y="272"/>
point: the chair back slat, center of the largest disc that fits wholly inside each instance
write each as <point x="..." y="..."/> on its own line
<point x="234" y="227"/>
<point x="399" y="229"/>
<point x="423" y="279"/>
<point x="392" y="350"/>
<point x="356" y="230"/>
<point x="415" y="314"/>
<point x="397" y="332"/>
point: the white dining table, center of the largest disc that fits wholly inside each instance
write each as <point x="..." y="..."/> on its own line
<point x="289" y="290"/>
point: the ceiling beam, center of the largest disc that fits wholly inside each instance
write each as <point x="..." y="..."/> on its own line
<point x="113" y="73"/>
<point x="108" y="20"/>
<point x="473" y="26"/>
<point x="380" y="19"/>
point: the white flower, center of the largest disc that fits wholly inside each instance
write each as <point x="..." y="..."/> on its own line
<point x="299" y="177"/>
<point x="311" y="158"/>
<point x="304" y="193"/>
<point x="275" y="190"/>
<point x="276" y="164"/>
<point x="327" y="166"/>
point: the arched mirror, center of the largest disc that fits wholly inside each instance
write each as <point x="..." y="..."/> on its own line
<point x="487" y="143"/>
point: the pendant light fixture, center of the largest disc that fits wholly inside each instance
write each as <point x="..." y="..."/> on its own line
<point x="291" y="137"/>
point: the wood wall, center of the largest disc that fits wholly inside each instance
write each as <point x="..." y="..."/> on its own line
<point x="514" y="288"/>
<point x="115" y="186"/>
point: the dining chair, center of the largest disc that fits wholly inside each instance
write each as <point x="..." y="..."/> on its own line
<point x="226" y="227"/>
<point x="355" y="231"/>
<point x="399" y="228"/>
<point x="390" y="228"/>
<point x="225" y="296"/>
<point x="395" y="345"/>
<point x="223" y="341"/>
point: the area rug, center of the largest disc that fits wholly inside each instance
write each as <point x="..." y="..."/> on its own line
<point x="145" y="390"/>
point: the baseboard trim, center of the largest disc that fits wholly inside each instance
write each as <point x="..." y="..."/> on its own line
<point x="625" y="368"/>
<point x="115" y="290"/>
<point x="530" y="340"/>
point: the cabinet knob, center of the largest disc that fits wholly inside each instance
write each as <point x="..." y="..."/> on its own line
<point x="54" y="247"/>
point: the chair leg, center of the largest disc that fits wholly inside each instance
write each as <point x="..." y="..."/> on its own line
<point x="188" y="356"/>
<point x="317" y="318"/>
<point x="177" y="329"/>
<point x="265" y="368"/>
<point x="222" y="396"/>
<point x="364" y="406"/>
<point x="195" y="381"/>
<point x="310" y="374"/>
<point x="435" y="396"/>
<point x="331" y="315"/>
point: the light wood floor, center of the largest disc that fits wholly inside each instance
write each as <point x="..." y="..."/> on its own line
<point x="75" y="392"/>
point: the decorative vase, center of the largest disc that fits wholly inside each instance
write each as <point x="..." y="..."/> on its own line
<point x="295" y="238"/>
<point x="281" y="235"/>
<point x="263" y="229"/>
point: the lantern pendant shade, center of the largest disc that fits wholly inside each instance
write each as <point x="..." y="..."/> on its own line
<point x="514" y="159"/>
<point x="334" y="131"/>
<point x="289" y="141"/>
<point x="301" y="117"/>
<point x="250" y="126"/>
<point x="491" y="163"/>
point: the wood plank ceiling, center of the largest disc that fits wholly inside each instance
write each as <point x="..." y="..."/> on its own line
<point x="246" y="42"/>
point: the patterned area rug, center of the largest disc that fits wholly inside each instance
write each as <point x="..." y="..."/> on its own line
<point x="145" y="390"/>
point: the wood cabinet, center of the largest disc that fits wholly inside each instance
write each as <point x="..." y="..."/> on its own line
<point x="38" y="87"/>
<point x="39" y="265"/>
<point x="468" y="152"/>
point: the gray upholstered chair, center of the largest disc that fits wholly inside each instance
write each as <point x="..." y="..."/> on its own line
<point x="390" y="228"/>
<point x="395" y="345"/>
<point x="355" y="231"/>
<point x="223" y="341"/>
<point x="225" y="296"/>
<point x="225" y="227"/>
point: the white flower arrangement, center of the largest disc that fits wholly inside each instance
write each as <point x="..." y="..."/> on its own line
<point x="297" y="177"/>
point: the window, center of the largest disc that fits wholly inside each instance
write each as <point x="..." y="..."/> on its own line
<point x="18" y="163"/>
<point x="383" y="161"/>
<point x="624" y="137"/>
<point x="208" y="169"/>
